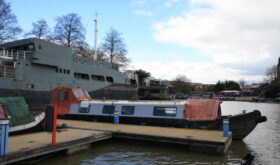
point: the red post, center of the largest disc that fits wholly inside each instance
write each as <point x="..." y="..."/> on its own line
<point x="54" y="126"/>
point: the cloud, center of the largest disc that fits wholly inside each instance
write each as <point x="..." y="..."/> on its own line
<point x="139" y="3"/>
<point x="143" y="13"/>
<point x="196" y="71"/>
<point x="169" y="3"/>
<point x="235" y="34"/>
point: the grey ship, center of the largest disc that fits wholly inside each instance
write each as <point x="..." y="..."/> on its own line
<point x="32" y="67"/>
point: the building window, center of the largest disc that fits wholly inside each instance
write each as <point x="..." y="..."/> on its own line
<point x="128" y="110"/>
<point x="97" y="77"/>
<point x="165" y="111"/>
<point x="109" y="79"/>
<point x="108" y="109"/>
<point x="81" y="76"/>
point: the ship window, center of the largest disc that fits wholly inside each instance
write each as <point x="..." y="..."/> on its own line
<point x="165" y="111"/>
<point x="64" y="71"/>
<point x="60" y="70"/>
<point x="128" y="110"/>
<point x="63" y="95"/>
<point x="97" y="77"/>
<point x="108" y="109"/>
<point x="109" y="79"/>
<point x="30" y="47"/>
<point x="56" y="69"/>
<point x="68" y="71"/>
<point x="30" y="86"/>
<point x="39" y="47"/>
<point x="132" y="81"/>
<point x="81" y="76"/>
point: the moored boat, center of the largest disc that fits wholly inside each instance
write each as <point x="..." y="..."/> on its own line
<point x="75" y="103"/>
<point x="20" y="119"/>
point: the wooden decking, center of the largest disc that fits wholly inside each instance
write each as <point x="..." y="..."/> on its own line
<point x="78" y="135"/>
<point x="195" y="139"/>
<point x="37" y="144"/>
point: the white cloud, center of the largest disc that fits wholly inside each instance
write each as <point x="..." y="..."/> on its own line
<point x="143" y="13"/>
<point x="197" y="72"/>
<point x="241" y="34"/>
<point x="139" y="3"/>
<point x="169" y="3"/>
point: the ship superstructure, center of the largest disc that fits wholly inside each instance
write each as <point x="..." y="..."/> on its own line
<point x="32" y="67"/>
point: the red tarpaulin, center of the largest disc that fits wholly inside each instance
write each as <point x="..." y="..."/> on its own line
<point x="201" y="109"/>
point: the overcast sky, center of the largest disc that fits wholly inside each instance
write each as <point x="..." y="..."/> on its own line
<point x="205" y="40"/>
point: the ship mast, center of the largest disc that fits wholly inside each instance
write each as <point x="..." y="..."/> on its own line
<point x="95" y="38"/>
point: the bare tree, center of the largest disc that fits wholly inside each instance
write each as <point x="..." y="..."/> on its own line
<point x="39" y="29"/>
<point x="181" y="84"/>
<point x="8" y="23"/>
<point x="69" y="30"/>
<point x="115" y="48"/>
<point x="242" y="83"/>
<point x="271" y="73"/>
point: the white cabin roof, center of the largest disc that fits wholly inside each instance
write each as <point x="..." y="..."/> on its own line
<point x="142" y="102"/>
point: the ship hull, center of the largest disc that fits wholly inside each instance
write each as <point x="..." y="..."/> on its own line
<point x="38" y="99"/>
<point x="240" y="125"/>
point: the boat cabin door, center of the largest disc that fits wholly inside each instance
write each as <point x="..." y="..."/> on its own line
<point x="60" y="98"/>
<point x="64" y="101"/>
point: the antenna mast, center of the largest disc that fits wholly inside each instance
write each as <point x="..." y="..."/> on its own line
<point x="95" y="38"/>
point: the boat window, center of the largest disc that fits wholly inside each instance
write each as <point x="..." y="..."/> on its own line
<point x="97" y="77"/>
<point x="64" y="71"/>
<point x="31" y="47"/>
<point x="108" y="109"/>
<point x="86" y="93"/>
<point x="165" y="111"/>
<point x="63" y="95"/>
<point x="132" y="81"/>
<point x="79" y="93"/>
<point x="109" y="79"/>
<point x="128" y="110"/>
<point x="81" y="76"/>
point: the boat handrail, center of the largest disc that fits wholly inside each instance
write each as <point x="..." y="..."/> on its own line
<point x="90" y="61"/>
<point x="15" y="54"/>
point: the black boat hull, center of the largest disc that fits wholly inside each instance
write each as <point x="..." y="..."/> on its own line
<point x="240" y="125"/>
<point x="38" y="99"/>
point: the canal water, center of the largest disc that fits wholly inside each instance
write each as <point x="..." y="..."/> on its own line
<point x="264" y="142"/>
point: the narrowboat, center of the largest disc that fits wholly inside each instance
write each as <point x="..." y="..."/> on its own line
<point x="75" y="103"/>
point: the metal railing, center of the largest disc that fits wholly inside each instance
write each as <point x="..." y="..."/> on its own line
<point x="15" y="54"/>
<point x="90" y="61"/>
<point x="7" y="71"/>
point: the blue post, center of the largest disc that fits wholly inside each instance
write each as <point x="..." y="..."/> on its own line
<point x="4" y="136"/>
<point x="2" y="145"/>
<point x="116" y="117"/>
<point x="226" y="127"/>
